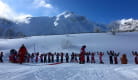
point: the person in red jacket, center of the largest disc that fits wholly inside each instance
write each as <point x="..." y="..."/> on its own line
<point x="100" y="57"/>
<point x="22" y="53"/>
<point x="82" y="55"/>
<point x="13" y="56"/>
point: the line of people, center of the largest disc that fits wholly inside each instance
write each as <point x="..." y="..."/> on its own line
<point x="89" y="57"/>
<point x="83" y="57"/>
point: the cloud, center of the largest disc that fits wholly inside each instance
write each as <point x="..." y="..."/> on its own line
<point x="8" y="13"/>
<point x="42" y="3"/>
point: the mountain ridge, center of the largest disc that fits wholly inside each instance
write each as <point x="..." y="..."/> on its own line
<point x="64" y="23"/>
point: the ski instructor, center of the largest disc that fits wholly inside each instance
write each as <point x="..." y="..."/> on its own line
<point x="22" y="53"/>
<point x="82" y="54"/>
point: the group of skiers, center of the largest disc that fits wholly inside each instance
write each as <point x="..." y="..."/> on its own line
<point x="18" y="57"/>
<point x="83" y="57"/>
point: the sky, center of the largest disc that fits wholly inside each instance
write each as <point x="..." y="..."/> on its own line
<point x="101" y="11"/>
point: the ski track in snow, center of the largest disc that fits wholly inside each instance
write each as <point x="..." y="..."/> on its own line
<point x="68" y="72"/>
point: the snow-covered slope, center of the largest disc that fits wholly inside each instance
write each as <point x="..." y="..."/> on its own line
<point x="68" y="71"/>
<point x="122" y="42"/>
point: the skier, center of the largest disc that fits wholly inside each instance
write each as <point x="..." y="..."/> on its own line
<point x="41" y="58"/>
<point x="49" y="57"/>
<point x="32" y="57"/>
<point x="67" y="57"/>
<point x="28" y="58"/>
<point x="82" y="54"/>
<point x="1" y="57"/>
<point x="13" y="56"/>
<point x="92" y="58"/>
<point x="111" y="54"/>
<point x="72" y="57"/>
<point x="36" y="58"/>
<point x="75" y="57"/>
<point x="136" y="56"/>
<point x="115" y="58"/>
<point x="45" y="58"/>
<point x="88" y="59"/>
<point x="124" y="59"/>
<point x="62" y="55"/>
<point x="57" y="57"/>
<point x="52" y="58"/>
<point x="100" y="57"/>
<point x="22" y="53"/>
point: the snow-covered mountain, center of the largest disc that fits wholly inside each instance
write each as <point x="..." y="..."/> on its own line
<point x="128" y="25"/>
<point x="64" y="23"/>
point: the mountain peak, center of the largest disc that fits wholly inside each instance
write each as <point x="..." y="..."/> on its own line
<point x="123" y="21"/>
<point x="128" y="24"/>
<point x="66" y="14"/>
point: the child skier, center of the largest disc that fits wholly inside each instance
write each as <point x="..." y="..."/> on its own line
<point x="45" y="58"/>
<point x="82" y="55"/>
<point x="32" y="57"/>
<point x="28" y="58"/>
<point x="72" y="57"/>
<point x="41" y="58"/>
<point x="57" y="57"/>
<point x="75" y="57"/>
<point x="1" y="57"/>
<point x="115" y="58"/>
<point x="13" y="56"/>
<point x="52" y="58"/>
<point x="88" y="59"/>
<point x="49" y="57"/>
<point x="136" y="56"/>
<point x="67" y="57"/>
<point x="62" y="55"/>
<point x="124" y="59"/>
<point x="111" y="53"/>
<point x="36" y="59"/>
<point x="92" y="58"/>
<point x="100" y="57"/>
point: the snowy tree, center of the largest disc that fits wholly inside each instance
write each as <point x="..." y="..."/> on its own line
<point x="1" y="31"/>
<point x="65" y="44"/>
<point x="9" y="33"/>
<point x="20" y="35"/>
<point x="114" y="26"/>
<point x="97" y="30"/>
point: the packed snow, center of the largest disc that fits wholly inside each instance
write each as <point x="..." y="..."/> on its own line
<point x="68" y="71"/>
<point x="121" y="42"/>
